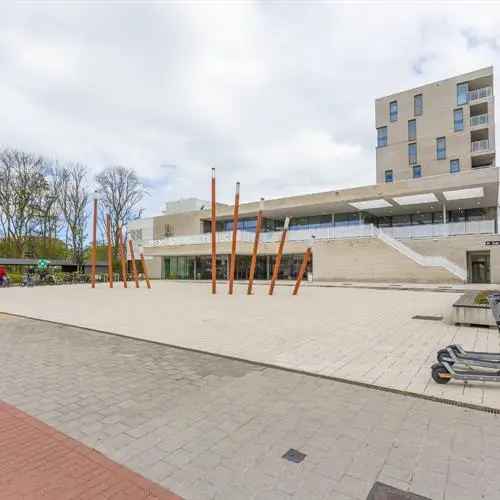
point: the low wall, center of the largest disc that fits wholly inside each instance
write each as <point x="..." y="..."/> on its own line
<point x="370" y="259"/>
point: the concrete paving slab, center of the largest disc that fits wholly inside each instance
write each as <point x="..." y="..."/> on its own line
<point x="363" y="335"/>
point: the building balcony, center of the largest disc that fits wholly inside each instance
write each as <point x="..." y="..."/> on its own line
<point x="336" y="232"/>
<point x="479" y="120"/>
<point x="480" y="146"/>
<point x="482" y="93"/>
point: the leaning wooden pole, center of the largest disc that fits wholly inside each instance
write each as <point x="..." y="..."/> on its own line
<point x="94" y="244"/>
<point x="145" y="270"/>
<point x="134" y="267"/>
<point x="121" y="248"/>
<point x="214" y="236"/>
<point x="277" y="263"/>
<point x="232" y="267"/>
<point x="253" y="263"/>
<point x="302" y="270"/>
<point x="110" y="250"/>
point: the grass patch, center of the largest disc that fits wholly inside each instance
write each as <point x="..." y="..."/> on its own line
<point x="481" y="298"/>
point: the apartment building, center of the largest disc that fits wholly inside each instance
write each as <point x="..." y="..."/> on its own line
<point x="443" y="127"/>
<point x="436" y="223"/>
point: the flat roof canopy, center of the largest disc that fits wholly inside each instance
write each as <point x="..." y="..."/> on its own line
<point x="467" y="189"/>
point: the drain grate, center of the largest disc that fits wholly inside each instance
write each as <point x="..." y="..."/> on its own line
<point x="428" y="318"/>
<point x="381" y="491"/>
<point x="294" y="456"/>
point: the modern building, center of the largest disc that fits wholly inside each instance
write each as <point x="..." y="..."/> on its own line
<point x="440" y="128"/>
<point x="436" y="223"/>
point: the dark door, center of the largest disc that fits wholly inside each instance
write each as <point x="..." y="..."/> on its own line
<point x="478" y="267"/>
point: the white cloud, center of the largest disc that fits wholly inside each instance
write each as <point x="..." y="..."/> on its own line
<point x="279" y="96"/>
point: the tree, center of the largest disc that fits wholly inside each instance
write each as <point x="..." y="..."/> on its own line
<point x="120" y="192"/>
<point x="23" y="187"/>
<point x="73" y="200"/>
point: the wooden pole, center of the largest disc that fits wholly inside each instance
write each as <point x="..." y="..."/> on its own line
<point x="94" y="244"/>
<point x="145" y="270"/>
<point x="236" y="210"/>
<point x="134" y="268"/>
<point x="278" y="257"/>
<point x="214" y="236"/>
<point x="302" y="270"/>
<point x="253" y="264"/>
<point x="121" y="247"/>
<point x="110" y="251"/>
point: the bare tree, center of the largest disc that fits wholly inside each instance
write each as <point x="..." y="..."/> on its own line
<point x="121" y="193"/>
<point x="23" y="185"/>
<point x="73" y="200"/>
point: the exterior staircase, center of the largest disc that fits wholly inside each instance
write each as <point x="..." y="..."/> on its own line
<point x="423" y="260"/>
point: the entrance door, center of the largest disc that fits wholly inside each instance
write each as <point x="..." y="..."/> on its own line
<point x="478" y="264"/>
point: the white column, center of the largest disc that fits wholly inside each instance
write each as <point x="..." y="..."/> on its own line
<point x="445" y="219"/>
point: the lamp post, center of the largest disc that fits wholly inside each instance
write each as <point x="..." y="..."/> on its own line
<point x="214" y="236"/>
<point x="94" y="240"/>
<point x="253" y="264"/>
<point x="278" y="256"/>
<point x="232" y="267"/>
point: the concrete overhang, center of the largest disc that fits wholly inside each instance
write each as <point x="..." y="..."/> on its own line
<point x="341" y="201"/>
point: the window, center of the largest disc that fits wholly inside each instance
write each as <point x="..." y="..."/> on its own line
<point x="417" y="171"/>
<point x="381" y="137"/>
<point x="441" y="148"/>
<point x="412" y="153"/>
<point x="418" y="105"/>
<point x="454" y="166"/>
<point x="458" y="119"/>
<point x="389" y="177"/>
<point x="462" y="93"/>
<point x="393" y="111"/>
<point x="412" y="130"/>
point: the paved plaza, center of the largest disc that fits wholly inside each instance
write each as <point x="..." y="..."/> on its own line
<point x="364" y="335"/>
<point x="207" y="427"/>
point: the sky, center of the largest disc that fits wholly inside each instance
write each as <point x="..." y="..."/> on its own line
<point x="276" y="95"/>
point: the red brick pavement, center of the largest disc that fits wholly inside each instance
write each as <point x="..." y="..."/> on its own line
<point x="38" y="462"/>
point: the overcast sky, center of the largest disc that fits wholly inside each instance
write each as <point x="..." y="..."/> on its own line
<point x="278" y="95"/>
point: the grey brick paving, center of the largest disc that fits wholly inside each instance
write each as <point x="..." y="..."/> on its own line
<point x="207" y="427"/>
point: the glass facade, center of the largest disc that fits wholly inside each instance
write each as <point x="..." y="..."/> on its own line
<point x="388" y="176"/>
<point x="416" y="171"/>
<point x="199" y="267"/>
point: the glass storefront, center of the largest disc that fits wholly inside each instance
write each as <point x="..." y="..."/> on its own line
<point x="186" y="267"/>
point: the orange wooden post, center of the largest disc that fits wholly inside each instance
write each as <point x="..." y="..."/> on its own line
<point x="134" y="268"/>
<point x="302" y="270"/>
<point x="278" y="257"/>
<point x="145" y="270"/>
<point x="232" y="266"/>
<point x="253" y="264"/>
<point x="94" y="243"/>
<point x="110" y="251"/>
<point x="214" y="236"/>
<point x="121" y="247"/>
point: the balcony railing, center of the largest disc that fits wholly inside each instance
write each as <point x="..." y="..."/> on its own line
<point x="479" y="120"/>
<point x="336" y="232"/>
<point x="481" y="93"/>
<point x="478" y="146"/>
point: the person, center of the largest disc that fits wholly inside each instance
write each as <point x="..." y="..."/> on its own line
<point x="4" y="279"/>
